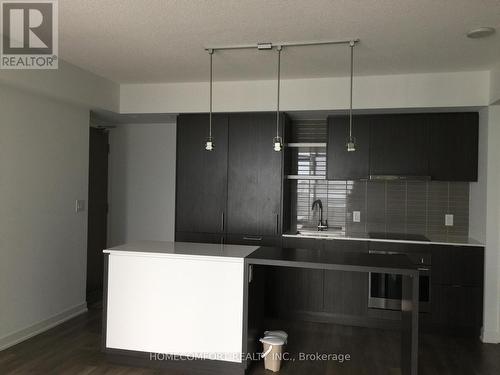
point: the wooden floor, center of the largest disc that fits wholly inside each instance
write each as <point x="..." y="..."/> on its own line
<point x="74" y="348"/>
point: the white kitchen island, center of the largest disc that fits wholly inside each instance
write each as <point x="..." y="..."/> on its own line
<point x="175" y="298"/>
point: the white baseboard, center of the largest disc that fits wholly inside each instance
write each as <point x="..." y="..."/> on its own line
<point x="44" y="325"/>
<point x="490" y="337"/>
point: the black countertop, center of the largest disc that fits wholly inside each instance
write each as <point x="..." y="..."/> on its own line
<point x="333" y="260"/>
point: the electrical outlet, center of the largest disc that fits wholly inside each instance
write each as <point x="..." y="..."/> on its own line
<point x="448" y="220"/>
<point x="79" y="205"/>
<point x="356" y="216"/>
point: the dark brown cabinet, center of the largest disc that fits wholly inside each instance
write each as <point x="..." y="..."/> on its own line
<point x="457" y="265"/>
<point x="398" y="145"/>
<point x="344" y="165"/>
<point x="345" y="293"/>
<point x="297" y="290"/>
<point x="457" y="289"/>
<point x="231" y="194"/>
<point x="323" y="294"/>
<point x="439" y="146"/>
<point x="254" y="176"/>
<point x="453" y="146"/>
<point x="457" y="309"/>
<point x="201" y="184"/>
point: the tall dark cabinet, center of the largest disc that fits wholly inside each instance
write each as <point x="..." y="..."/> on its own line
<point x="201" y="179"/>
<point x="232" y="194"/>
<point x="254" y="177"/>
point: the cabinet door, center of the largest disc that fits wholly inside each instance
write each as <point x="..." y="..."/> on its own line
<point x="398" y="145"/>
<point x="201" y="175"/>
<point x="297" y="289"/>
<point x="457" y="265"/>
<point x="456" y="307"/>
<point x="346" y="293"/>
<point x="254" y="175"/>
<point x="341" y="164"/>
<point x="453" y="146"/>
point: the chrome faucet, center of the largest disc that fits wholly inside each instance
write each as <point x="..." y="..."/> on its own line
<point x="321" y="225"/>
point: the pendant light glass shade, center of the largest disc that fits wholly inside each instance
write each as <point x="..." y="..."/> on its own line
<point x="209" y="144"/>
<point x="351" y="144"/>
<point x="351" y="141"/>
<point x="278" y="143"/>
<point x="209" y="141"/>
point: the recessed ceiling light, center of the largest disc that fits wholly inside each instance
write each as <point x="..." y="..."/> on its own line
<point x="481" y="32"/>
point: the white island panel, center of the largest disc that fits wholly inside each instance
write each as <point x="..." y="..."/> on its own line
<point x="176" y="305"/>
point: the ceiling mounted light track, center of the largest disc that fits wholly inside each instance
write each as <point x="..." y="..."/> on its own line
<point x="278" y="140"/>
<point x="269" y="45"/>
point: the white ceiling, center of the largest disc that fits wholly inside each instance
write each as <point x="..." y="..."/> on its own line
<point x="131" y="41"/>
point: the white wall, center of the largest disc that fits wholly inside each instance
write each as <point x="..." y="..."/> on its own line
<point x="478" y="190"/>
<point x="495" y="85"/>
<point x="463" y="89"/>
<point x="142" y="183"/>
<point x="43" y="170"/>
<point x="69" y="84"/>
<point x="491" y="331"/>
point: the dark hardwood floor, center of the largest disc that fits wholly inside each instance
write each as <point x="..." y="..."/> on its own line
<point x="74" y="348"/>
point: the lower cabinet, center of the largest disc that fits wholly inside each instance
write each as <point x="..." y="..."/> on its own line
<point x="457" y="309"/>
<point x="456" y="291"/>
<point x="318" y="293"/>
<point x="346" y="293"/>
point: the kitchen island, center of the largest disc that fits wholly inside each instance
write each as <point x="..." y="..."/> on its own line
<point x="166" y="302"/>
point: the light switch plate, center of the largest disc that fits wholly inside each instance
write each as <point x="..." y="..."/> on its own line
<point x="356" y="216"/>
<point x="80" y="205"/>
<point x="448" y="220"/>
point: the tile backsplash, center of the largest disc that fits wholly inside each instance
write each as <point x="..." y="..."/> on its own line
<point x="413" y="207"/>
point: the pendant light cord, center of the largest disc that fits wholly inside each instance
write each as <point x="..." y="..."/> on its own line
<point x="351" y="45"/>
<point x="211" y="52"/>
<point x="278" y="48"/>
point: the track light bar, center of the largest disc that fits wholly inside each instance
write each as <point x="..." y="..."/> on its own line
<point x="283" y="44"/>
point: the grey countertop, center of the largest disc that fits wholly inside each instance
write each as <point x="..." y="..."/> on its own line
<point x="450" y="240"/>
<point x="166" y="248"/>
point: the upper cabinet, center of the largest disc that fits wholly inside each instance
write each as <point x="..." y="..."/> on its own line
<point x="232" y="193"/>
<point x="254" y="176"/>
<point x="201" y="175"/>
<point x="344" y="165"/>
<point x="441" y="146"/>
<point x="398" y="145"/>
<point x="453" y="146"/>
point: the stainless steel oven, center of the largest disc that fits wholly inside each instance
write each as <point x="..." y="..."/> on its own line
<point x="385" y="289"/>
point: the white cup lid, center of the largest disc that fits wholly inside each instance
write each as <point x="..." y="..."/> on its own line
<point x="272" y="340"/>
<point x="282" y="334"/>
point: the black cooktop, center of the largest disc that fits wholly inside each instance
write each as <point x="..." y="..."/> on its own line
<point x="397" y="236"/>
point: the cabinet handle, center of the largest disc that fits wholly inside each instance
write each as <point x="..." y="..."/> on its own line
<point x="277" y="224"/>
<point x="222" y="222"/>
<point x="248" y="238"/>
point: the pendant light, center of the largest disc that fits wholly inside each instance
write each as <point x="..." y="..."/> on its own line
<point x="351" y="141"/>
<point x="209" y="141"/>
<point x="278" y="141"/>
